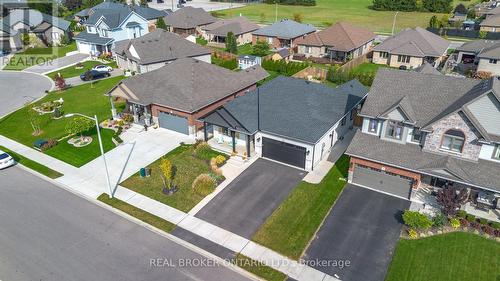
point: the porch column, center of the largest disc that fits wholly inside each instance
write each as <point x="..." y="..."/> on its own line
<point x="147" y="116"/>
<point x="234" y="140"/>
<point x="134" y="110"/>
<point x="248" y="146"/>
<point x="113" y="109"/>
<point x="205" y="133"/>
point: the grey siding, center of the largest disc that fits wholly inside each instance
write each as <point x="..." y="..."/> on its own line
<point x="487" y="112"/>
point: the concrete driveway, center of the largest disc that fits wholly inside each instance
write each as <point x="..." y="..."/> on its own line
<point x="57" y="63"/>
<point x="252" y="197"/>
<point x="75" y="81"/>
<point x="18" y="88"/>
<point x="363" y="228"/>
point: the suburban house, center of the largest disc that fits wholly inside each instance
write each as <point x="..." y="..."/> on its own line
<point x="422" y="132"/>
<point x="188" y="20"/>
<point x="282" y="34"/>
<point x="216" y="32"/>
<point x="176" y="95"/>
<point x="45" y="27"/>
<point x="110" y="22"/>
<point x="411" y="48"/>
<point x="290" y="120"/>
<point x="490" y="24"/>
<point x="339" y="42"/>
<point x="246" y="61"/>
<point x="483" y="53"/>
<point x="10" y="40"/>
<point x="156" y="49"/>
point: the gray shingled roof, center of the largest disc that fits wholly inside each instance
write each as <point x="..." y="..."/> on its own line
<point x="286" y="29"/>
<point x="428" y="69"/>
<point x="477" y="46"/>
<point x="239" y="25"/>
<point x="93" y="38"/>
<point x="390" y="86"/>
<point x="33" y="18"/>
<point x="408" y="156"/>
<point x="159" y="46"/>
<point x="188" y="84"/>
<point x="294" y="108"/>
<point x="189" y="17"/>
<point x="493" y="20"/>
<point x="416" y="42"/>
<point x="115" y="13"/>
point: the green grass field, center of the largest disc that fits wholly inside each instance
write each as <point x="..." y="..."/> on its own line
<point x="327" y="12"/>
<point x="32" y="56"/>
<point x="259" y="269"/>
<point x="450" y="257"/>
<point x="290" y="228"/>
<point x="72" y="71"/>
<point x="83" y="99"/>
<point x="32" y="164"/>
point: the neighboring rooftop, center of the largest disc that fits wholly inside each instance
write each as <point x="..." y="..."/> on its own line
<point x="341" y="36"/>
<point x="187" y="84"/>
<point x="290" y="107"/>
<point x="189" y="17"/>
<point x="239" y="25"/>
<point x="493" y="20"/>
<point x="482" y="48"/>
<point x="285" y="29"/>
<point x="159" y="46"/>
<point x="427" y="68"/>
<point x="416" y="42"/>
<point x="115" y="13"/>
<point x="33" y="18"/>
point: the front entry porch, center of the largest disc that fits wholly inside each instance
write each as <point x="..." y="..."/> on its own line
<point x="229" y="141"/>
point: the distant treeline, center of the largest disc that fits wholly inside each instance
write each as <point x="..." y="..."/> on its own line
<point x="435" y="6"/>
<point x="292" y="2"/>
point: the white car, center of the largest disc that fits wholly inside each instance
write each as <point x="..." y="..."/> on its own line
<point x="6" y="160"/>
<point x="102" y="68"/>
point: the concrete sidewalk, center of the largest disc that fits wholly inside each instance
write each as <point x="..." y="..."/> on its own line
<point x="125" y="160"/>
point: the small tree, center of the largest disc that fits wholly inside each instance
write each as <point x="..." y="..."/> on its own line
<point x="434" y="22"/>
<point x="60" y="82"/>
<point x="297" y="17"/>
<point x="460" y="9"/>
<point x="79" y="125"/>
<point x="451" y="199"/>
<point x="34" y="119"/>
<point x="483" y="34"/>
<point x="261" y="48"/>
<point x="231" y="45"/>
<point x="160" y="23"/>
<point x="166" y="172"/>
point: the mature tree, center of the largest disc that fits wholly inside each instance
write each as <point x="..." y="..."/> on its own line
<point x="91" y="3"/>
<point x="261" y="48"/>
<point x="461" y="9"/>
<point x="34" y="119"/>
<point x="73" y="4"/>
<point x="451" y="199"/>
<point x="231" y="44"/>
<point x="438" y="6"/>
<point x="60" y="82"/>
<point x="434" y="22"/>
<point x="79" y="125"/>
<point x="160" y="23"/>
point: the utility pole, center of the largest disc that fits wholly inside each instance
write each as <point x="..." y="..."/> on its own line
<point x="394" y="22"/>
<point x="276" y="13"/>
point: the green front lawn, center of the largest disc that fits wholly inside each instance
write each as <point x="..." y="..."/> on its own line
<point x="44" y="170"/>
<point x="85" y="99"/>
<point x="137" y="213"/>
<point x="290" y="228"/>
<point x="72" y="71"/>
<point x="33" y="56"/>
<point x="449" y="257"/>
<point x="367" y="68"/>
<point x="186" y="166"/>
<point x="259" y="269"/>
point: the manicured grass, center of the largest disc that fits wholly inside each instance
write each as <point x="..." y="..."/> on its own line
<point x="137" y="213"/>
<point x="367" y="68"/>
<point x="32" y="164"/>
<point x="449" y="257"/>
<point x="34" y="56"/>
<point x="327" y="12"/>
<point x="84" y="99"/>
<point x="290" y="228"/>
<point x="245" y="49"/>
<point x="259" y="269"/>
<point x="72" y="71"/>
<point x="186" y="168"/>
<point x="272" y="75"/>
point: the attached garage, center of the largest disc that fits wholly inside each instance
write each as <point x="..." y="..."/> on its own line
<point x="284" y="152"/>
<point x="386" y="182"/>
<point x="173" y="122"/>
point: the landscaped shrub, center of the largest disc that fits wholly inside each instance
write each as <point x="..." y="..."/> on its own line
<point x="495" y="225"/>
<point x="220" y="160"/>
<point x="454" y="223"/>
<point x="461" y="214"/>
<point x="117" y="139"/>
<point x="475" y="225"/>
<point x="416" y="220"/>
<point x="128" y="118"/>
<point x="412" y="233"/>
<point x="204" y="184"/>
<point x="283" y="67"/>
<point x="339" y="76"/>
<point x="203" y="151"/>
<point x="470" y="218"/>
<point x="226" y="63"/>
<point x="464" y="222"/>
<point x="215" y="168"/>
<point x="488" y="229"/>
<point x="48" y="145"/>
<point x="57" y="113"/>
<point x="439" y="220"/>
<point x="483" y="221"/>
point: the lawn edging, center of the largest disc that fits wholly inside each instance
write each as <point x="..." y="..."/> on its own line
<point x="292" y="226"/>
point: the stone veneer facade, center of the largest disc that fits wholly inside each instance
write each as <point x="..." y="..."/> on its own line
<point x="456" y="121"/>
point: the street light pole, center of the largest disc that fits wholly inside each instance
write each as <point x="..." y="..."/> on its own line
<point x="394" y="22"/>
<point x="100" y="146"/>
<point x="276" y="12"/>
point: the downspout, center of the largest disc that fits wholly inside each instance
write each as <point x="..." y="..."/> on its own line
<point x="312" y="163"/>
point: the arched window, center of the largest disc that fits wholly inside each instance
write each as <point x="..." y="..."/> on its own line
<point x="453" y="140"/>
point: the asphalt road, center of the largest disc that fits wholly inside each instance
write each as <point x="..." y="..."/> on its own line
<point x="18" y="88"/>
<point x="362" y="228"/>
<point x="58" y="63"/>
<point x="252" y="197"/>
<point x="47" y="233"/>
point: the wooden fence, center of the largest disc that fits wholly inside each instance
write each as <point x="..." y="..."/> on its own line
<point x="312" y="72"/>
<point x="355" y="62"/>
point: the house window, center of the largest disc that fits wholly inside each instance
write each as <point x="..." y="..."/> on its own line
<point x="496" y="152"/>
<point x="404" y="59"/>
<point x="55" y="35"/>
<point x="493" y="61"/>
<point x="453" y="140"/>
<point x="223" y="131"/>
<point x="270" y="40"/>
<point x="342" y="123"/>
<point x="416" y="135"/>
<point x="372" y="127"/>
<point x="394" y="130"/>
<point x="308" y="50"/>
<point x="384" y="55"/>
